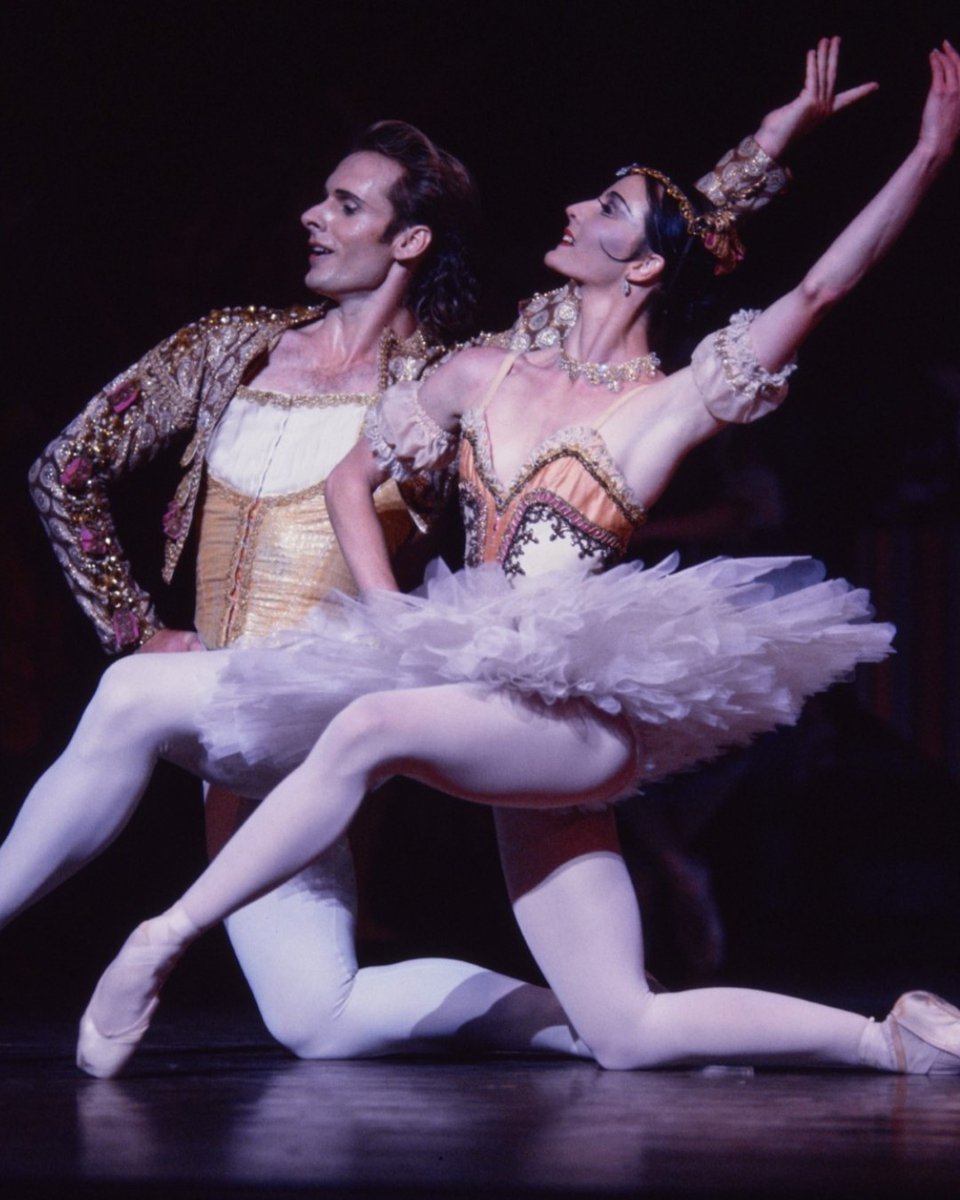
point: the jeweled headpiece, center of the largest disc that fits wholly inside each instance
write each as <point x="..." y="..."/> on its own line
<point x="716" y="229"/>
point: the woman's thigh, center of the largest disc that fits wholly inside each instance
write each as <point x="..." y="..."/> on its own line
<point x="493" y="747"/>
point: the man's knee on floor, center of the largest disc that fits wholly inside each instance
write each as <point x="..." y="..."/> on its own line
<point x="305" y="1034"/>
<point x="306" y="1015"/>
<point x="620" y="1039"/>
<point x="320" y="1034"/>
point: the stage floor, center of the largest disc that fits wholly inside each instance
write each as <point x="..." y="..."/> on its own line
<point x="210" y="1108"/>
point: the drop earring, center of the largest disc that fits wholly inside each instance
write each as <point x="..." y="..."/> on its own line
<point x="626" y="287"/>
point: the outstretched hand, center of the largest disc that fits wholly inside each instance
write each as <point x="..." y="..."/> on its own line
<point x="940" y="123"/>
<point x="816" y="102"/>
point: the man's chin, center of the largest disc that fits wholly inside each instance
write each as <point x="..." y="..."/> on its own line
<point x="320" y="287"/>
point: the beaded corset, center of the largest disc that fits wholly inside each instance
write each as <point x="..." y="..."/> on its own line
<point x="568" y="503"/>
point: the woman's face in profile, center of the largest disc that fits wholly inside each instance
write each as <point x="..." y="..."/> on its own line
<point x="604" y="234"/>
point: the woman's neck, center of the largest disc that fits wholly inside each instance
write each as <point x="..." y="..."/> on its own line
<point x="609" y="329"/>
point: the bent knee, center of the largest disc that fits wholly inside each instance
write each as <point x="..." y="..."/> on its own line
<point x="360" y="737"/>
<point x="617" y="1048"/>
<point x="149" y="701"/>
<point x="303" y="1013"/>
<point x="123" y="690"/>
<point x="622" y="1039"/>
<point x="618" y="1054"/>
<point x="318" y="1033"/>
<point x="365" y="717"/>
<point x="305" y="1035"/>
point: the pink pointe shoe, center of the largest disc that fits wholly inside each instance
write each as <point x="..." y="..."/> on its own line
<point x="128" y="993"/>
<point x="924" y="1032"/>
<point x="104" y="1055"/>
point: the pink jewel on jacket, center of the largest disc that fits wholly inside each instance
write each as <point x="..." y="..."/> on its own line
<point x="124" y="396"/>
<point x="92" y="541"/>
<point x="173" y="520"/>
<point x="76" y="474"/>
<point x="126" y="628"/>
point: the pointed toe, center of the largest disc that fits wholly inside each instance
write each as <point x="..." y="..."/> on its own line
<point x="105" y="1055"/>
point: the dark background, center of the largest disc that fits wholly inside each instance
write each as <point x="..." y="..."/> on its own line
<point x="155" y="162"/>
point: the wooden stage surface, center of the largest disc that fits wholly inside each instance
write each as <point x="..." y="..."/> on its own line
<point x="211" y="1108"/>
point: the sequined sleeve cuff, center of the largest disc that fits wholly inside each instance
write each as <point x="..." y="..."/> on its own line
<point x="406" y="440"/>
<point x="68" y="484"/>
<point x="732" y="384"/>
<point x="744" y="180"/>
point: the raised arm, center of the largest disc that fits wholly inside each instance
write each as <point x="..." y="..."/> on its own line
<point x="739" y="373"/>
<point x="746" y="178"/>
<point x="781" y="328"/>
<point x="815" y="103"/>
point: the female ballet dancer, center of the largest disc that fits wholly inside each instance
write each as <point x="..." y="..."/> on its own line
<point x="313" y="998"/>
<point x="536" y="681"/>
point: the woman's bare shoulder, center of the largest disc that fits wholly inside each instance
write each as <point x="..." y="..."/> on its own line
<point x="477" y="363"/>
<point x="466" y="372"/>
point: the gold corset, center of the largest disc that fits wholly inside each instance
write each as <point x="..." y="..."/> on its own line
<point x="263" y="562"/>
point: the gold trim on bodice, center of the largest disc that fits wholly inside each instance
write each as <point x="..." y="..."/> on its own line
<point x="584" y="442"/>
<point x="306" y="400"/>
<point x="570" y="482"/>
<point x="265" y="560"/>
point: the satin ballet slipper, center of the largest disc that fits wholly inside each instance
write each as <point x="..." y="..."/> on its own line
<point x="105" y="1055"/>
<point x="135" y="977"/>
<point x="924" y="1032"/>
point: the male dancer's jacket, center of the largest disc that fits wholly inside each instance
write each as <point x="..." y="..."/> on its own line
<point x="183" y="385"/>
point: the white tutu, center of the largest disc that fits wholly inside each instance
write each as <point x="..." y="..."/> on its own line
<point x="698" y="660"/>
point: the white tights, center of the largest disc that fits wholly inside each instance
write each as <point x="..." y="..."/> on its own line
<point x="296" y="943"/>
<point x="580" y="920"/>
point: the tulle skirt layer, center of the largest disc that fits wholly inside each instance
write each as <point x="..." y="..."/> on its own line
<point x="696" y="660"/>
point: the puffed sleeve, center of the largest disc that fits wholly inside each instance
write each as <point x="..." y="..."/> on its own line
<point x="417" y="452"/>
<point x="407" y="441"/>
<point x="732" y="384"/>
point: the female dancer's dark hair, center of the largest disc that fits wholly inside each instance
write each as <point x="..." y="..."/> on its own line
<point x="683" y="299"/>
<point x="683" y="304"/>
<point x="437" y="190"/>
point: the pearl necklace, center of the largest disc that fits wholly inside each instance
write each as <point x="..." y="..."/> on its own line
<point x="612" y="375"/>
